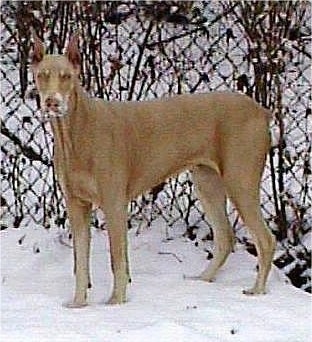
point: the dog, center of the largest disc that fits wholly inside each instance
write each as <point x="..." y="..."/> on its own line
<point x="107" y="153"/>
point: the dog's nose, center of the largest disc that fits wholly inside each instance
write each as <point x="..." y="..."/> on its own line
<point x="52" y="103"/>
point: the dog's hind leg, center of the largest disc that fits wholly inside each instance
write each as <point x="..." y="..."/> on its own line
<point x="242" y="181"/>
<point x="247" y="203"/>
<point x="211" y="191"/>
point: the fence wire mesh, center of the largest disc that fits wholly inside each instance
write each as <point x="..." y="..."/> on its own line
<point x="144" y="49"/>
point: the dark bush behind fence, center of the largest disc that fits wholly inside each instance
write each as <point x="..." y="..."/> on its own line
<point x="145" y="49"/>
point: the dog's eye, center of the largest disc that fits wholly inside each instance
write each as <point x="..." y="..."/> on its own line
<point x="43" y="75"/>
<point x="65" y="76"/>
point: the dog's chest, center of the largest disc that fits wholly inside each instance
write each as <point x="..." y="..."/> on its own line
<point x="76" y="180"/>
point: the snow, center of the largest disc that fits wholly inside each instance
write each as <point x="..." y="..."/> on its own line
<point x="162" y="306"/>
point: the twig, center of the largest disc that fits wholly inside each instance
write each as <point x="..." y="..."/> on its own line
<point x="28" y="151"/>
<point x="64" y="243"/>
<point x="170" y="253"/>
<point x="139" y="60"/>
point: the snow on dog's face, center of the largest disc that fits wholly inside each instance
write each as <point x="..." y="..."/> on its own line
<point x="55" y="77"/>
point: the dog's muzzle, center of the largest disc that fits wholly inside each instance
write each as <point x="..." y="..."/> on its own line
<point x="53" y="106"/>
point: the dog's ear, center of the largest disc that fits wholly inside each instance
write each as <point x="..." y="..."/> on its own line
<point x="72" y="51"/>
<point x="38" y="52"/>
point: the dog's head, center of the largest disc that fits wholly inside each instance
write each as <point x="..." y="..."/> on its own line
<point x="56" y="76"/>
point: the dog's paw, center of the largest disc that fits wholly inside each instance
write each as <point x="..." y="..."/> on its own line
<point x="75" y="305"/>
<point x="200" y="277"/>
<point x="116" y="300"/>
<point x="208" y="279"/>
<point x="254" y="291"/>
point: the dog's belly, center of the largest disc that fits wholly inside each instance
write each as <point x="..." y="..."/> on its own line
<point x="146" y="177"/>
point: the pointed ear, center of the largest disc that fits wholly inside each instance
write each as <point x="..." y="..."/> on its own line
<point x="72" y="51"/>
<point x="38" y="52"/>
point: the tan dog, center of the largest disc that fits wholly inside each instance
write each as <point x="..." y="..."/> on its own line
<point x="106" y="153"/>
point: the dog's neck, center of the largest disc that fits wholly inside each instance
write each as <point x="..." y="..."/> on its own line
<point x="64" y="128"/>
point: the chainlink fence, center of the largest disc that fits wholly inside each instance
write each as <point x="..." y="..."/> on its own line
<point x="147" y="49"/>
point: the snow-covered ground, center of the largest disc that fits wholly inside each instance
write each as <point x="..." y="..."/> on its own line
<point x="162" y="306"/>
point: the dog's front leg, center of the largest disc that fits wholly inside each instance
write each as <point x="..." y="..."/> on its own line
<point x="79" y="216"/>
<point x="116" y="216"/>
